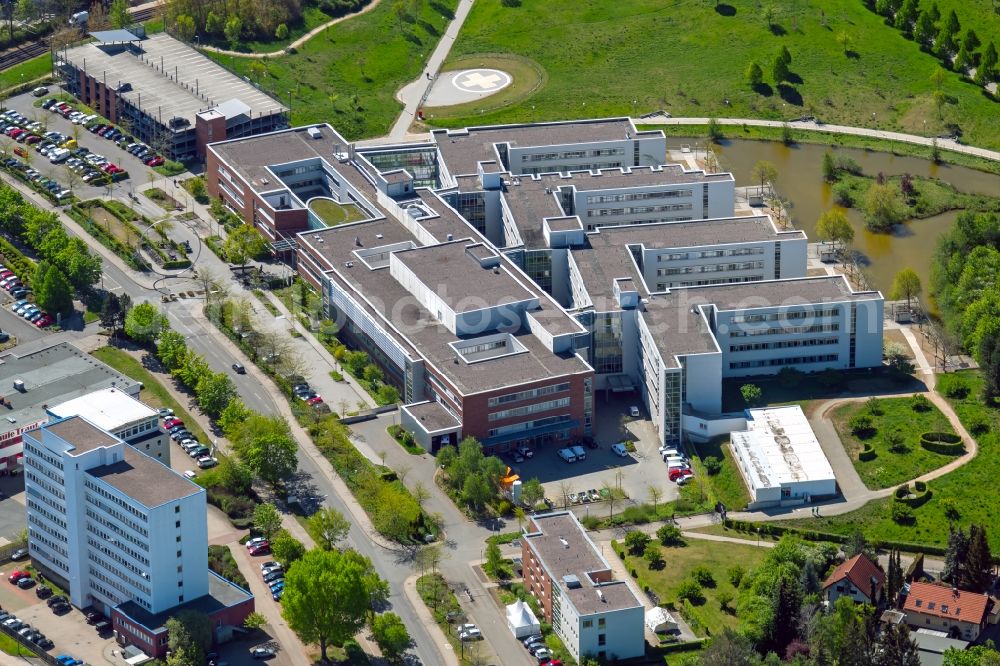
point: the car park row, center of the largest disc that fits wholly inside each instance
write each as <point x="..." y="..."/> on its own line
<point x="107" y="131"/>
<point x="187" y="441"/>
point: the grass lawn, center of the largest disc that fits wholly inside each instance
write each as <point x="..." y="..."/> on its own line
<point x="805" y="390"/>
<point x="685" y="57"/>
<point x="891" y="468"/>
<point x="680" y="561"/>
<point x="333" y="213"/>
<point x="28" y="70"/>
<point x="967" y="490"/>
<point x="348" y="75"/>
<point x="153" y="392"/>
<point x="728" y="484"/>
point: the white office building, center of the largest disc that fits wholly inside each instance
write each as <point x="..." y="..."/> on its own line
<point x="111" y="524"/>
<point x="780" y="458"/>
<point x="123" y="416"/>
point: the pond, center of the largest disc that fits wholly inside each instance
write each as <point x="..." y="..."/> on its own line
<point x="800" y="181"/>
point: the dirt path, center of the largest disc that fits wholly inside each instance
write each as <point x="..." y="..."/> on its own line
<point x="298" y="42"/>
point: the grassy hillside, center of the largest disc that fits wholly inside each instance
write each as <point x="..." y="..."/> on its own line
<point x="688" y="57"/>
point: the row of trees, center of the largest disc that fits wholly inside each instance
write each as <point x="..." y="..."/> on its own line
<point x="941" y="35"/>
<point x="780" y="71"/>
<point x="476" y="478"/>
<point x="965" y="277"/>
<point x="66" y="265"/>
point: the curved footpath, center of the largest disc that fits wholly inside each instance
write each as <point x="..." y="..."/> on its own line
<point x="298" y="42"/>
<point x="943" y="144"/>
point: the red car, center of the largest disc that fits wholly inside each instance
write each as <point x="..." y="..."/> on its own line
<point x="261" y="549"/>
<point x="675" y="474"/>
<point x="18" y="575"/>
<point x="34" y="138"/>
<point x="315" y="400"/>
<point x="171" y="422"/>
<point x="6" y="273"/>
<point x="155" y="161"/>
<point x="44" y="321"/>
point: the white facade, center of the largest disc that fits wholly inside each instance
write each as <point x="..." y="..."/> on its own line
<point x="617" y="634"/>
<point x="780" y="458"/>
<point x="645" y="149"/>
<point x="123" y="416"/>
<point x="113" y="523"/>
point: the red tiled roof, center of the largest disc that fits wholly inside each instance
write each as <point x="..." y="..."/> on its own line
<point x="860" y="571"/>
<point x="941" y="601"/>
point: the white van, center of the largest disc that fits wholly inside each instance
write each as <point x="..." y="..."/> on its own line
<point x="670" y="453"/>
<point x="579" y="453"/>
<point x="676" y="460"/>
<point x="58" y="155"/>
<point x="567" y="455"/>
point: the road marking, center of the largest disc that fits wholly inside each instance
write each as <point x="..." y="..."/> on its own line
<point x="107" y="280"/>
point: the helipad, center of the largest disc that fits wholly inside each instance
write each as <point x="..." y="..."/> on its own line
<point x="466" y="85"/>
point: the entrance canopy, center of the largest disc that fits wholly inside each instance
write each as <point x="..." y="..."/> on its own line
<point x="113" y="36"/>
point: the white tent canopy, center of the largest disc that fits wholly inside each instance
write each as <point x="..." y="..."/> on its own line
<point x="521" y="620"/>
<point x="658" y="619"/>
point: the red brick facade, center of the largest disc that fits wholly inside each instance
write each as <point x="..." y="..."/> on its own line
<point x="536" y="581"/>
<point x="208" y="127"/>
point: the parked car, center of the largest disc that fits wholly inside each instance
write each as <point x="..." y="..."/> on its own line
<point x="262" y="653"/>
<point x="19" y="554"/>
<point x="43" y="592"/>
<point x="274" y="575"/>
<point x="525" y="451"/>
<point x="677" y="473"/>
<point x="17" y="575"/>
<point x="172" y="421"/>
<point x="58" y="599"/>
<point x="579" y="452"/>
<point x="206" y="462"/>
<point x="255" y="541"/>
<point x="619" y="449"/>
<point x="199" y="452"/>
<point x="261" y="549"/>
<point x="165" y="412"/>
<point x="567" y="455"/>
<point x="26" y="583"/>
<point x="633" y="411"/>
<point x="61" y="608"/>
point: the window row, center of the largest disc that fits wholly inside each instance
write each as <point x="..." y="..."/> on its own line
<point x="794" y="360"/>
<point x="529" y="409"/>
<point x="529" y="394"/>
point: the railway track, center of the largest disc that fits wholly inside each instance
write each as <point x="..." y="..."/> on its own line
<point x="29" y="50"/>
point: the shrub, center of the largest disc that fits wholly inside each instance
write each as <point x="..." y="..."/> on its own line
<point x="979" y="425"/>
<point x="843" y="196"/>
<point x="874" y="406"/>
<point x="920" y="403"/>
<point x="862" y="425"/>
<point x="590" y="522"/>
<point x="945" y="443"/>
<point x="636" y="541"/>
<point x="670" y="535"/>
<point x="920" y="486"/>
<point x="505" y="507"/>
<point x="690" y="590"/>
<point x="703" y="575"/>
<point x="735" y="574"/>
<point x="953" y="386"/>
<point x="653" y="555"/>
<point x="902" y="513"/>
<point x="635" y="515"/>
<point x="712" y="465"/>
<point x="725" y="598"/>
<point x="902" y="492"/>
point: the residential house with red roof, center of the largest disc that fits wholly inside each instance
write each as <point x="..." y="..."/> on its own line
<point x="961" y="613"/>
<point x="858" y="578"/>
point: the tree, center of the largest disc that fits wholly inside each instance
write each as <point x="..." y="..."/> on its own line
<point x="765" y="173"/>
<point x="171" y="349"/>
<point x="751" y="393"/>
<point x="978" y="572"/>
<point x="924" y="31"/>
<point x="894" y="576"/>
<point x="954" y="556"/>
<point x="779" y="69"/>
<point x="755" y="75"/>
<point x="428" y="558"/>
<point x="52" y="290"/>
<point x="786" y="602"/>
<point x="987" y="70"/>
<point x="712" y="465"/>
<point x="883" y="208"/>
<point x="945" y="43"/>
<point x="328" y="527"/>
<point x="834" y="227"/>
<point x="670" y="535"/>
<point x="234" y="476"/>
<point x="281" y="32"/>
<point x="287" y="549"/>
<point x="494" y="560"/>
<point x="113" y="311"/>
<point x="977" y="655"/>
<point x="906" y="285"/>
<point x="729" y="649"/>
<point x="636" y="541"/>
<point x="215" y="390"/>
<point x="243" y="244"/>
<point x="907" y="16"/>
<point x="266" y="447"/>
<point x="714" y="130"/>
<point x="476" y="491"/>
<point x="988" y="355"/>
<point x="189" y="633"/>
<point x="964" y="59"/>
<point x="857" y="544"/>
<point x="532" y="491"/>
<point x="655" y="494"/>
<point x="184" y="27"/>
<point x="196" y="186"/>
<point x="233" y="30"/>
<point x="653" y="555"/>
<point x="214" y="23"/>
<point x="328" y="595"/>
<point x="896" y="648"/>
<point x="144" y="323"/>
<point x="390" y="635"/>
<point x="118" y="14"/>
<point x="266" y="520"/>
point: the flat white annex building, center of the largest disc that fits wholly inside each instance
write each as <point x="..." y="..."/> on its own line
<point x="780" y="458"/>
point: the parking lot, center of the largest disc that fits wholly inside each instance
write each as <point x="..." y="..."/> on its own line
<point x="138" y="171"/>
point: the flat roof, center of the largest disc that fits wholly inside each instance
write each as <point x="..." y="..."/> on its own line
<point x="780" y="448"/>
<point x="452" y="271"/>
<point x="222" y="594"/>
<point x="144" y="479"/>
<point x="108" y="409"/>
<point x="463" y="149"/>
<point x="52" y="374"/>
<point x="789" y="293"/>
<point x="114" y="36"/>
<point x="417" y="331"/>
<point x="203" y="84"/>
<point x="432" y="416"/>
<point x="82" y="435"/>
<point x="694" y="233"/>
<point x="564" y="550"/>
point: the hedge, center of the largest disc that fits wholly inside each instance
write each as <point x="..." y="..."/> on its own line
<point x="15" y="260"/>
<point x="778" y="530"/>
<point x="173" y="265"/>
<point x="867" y="454"/>
<point x="921" y="494"/>
<point x="945" y="443"/>
<point x="689" y="646"/>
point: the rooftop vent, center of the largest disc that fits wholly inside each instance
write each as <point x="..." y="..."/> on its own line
<point x="378" y="236"/>
<point x="600" y="595"/>
<point x="450" y="237"/>
<point x="315" y="133"/>
<point x="565" y="544"/>
<point x="571" y="581"/>
<point x="357" y="241"/>
<point x="349" y="264"/>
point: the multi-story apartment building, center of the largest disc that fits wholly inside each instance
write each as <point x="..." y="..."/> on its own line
<point x="594" y="614"/>
<point x="120" y="414"/>
<point x="166" y="93"/>
<point x="959" y="613"/>
<point x="635" y="275"/>
<point x="40" y="375"/>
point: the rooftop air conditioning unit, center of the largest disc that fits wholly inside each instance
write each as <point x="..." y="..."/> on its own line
<point x="315" y="133"/>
